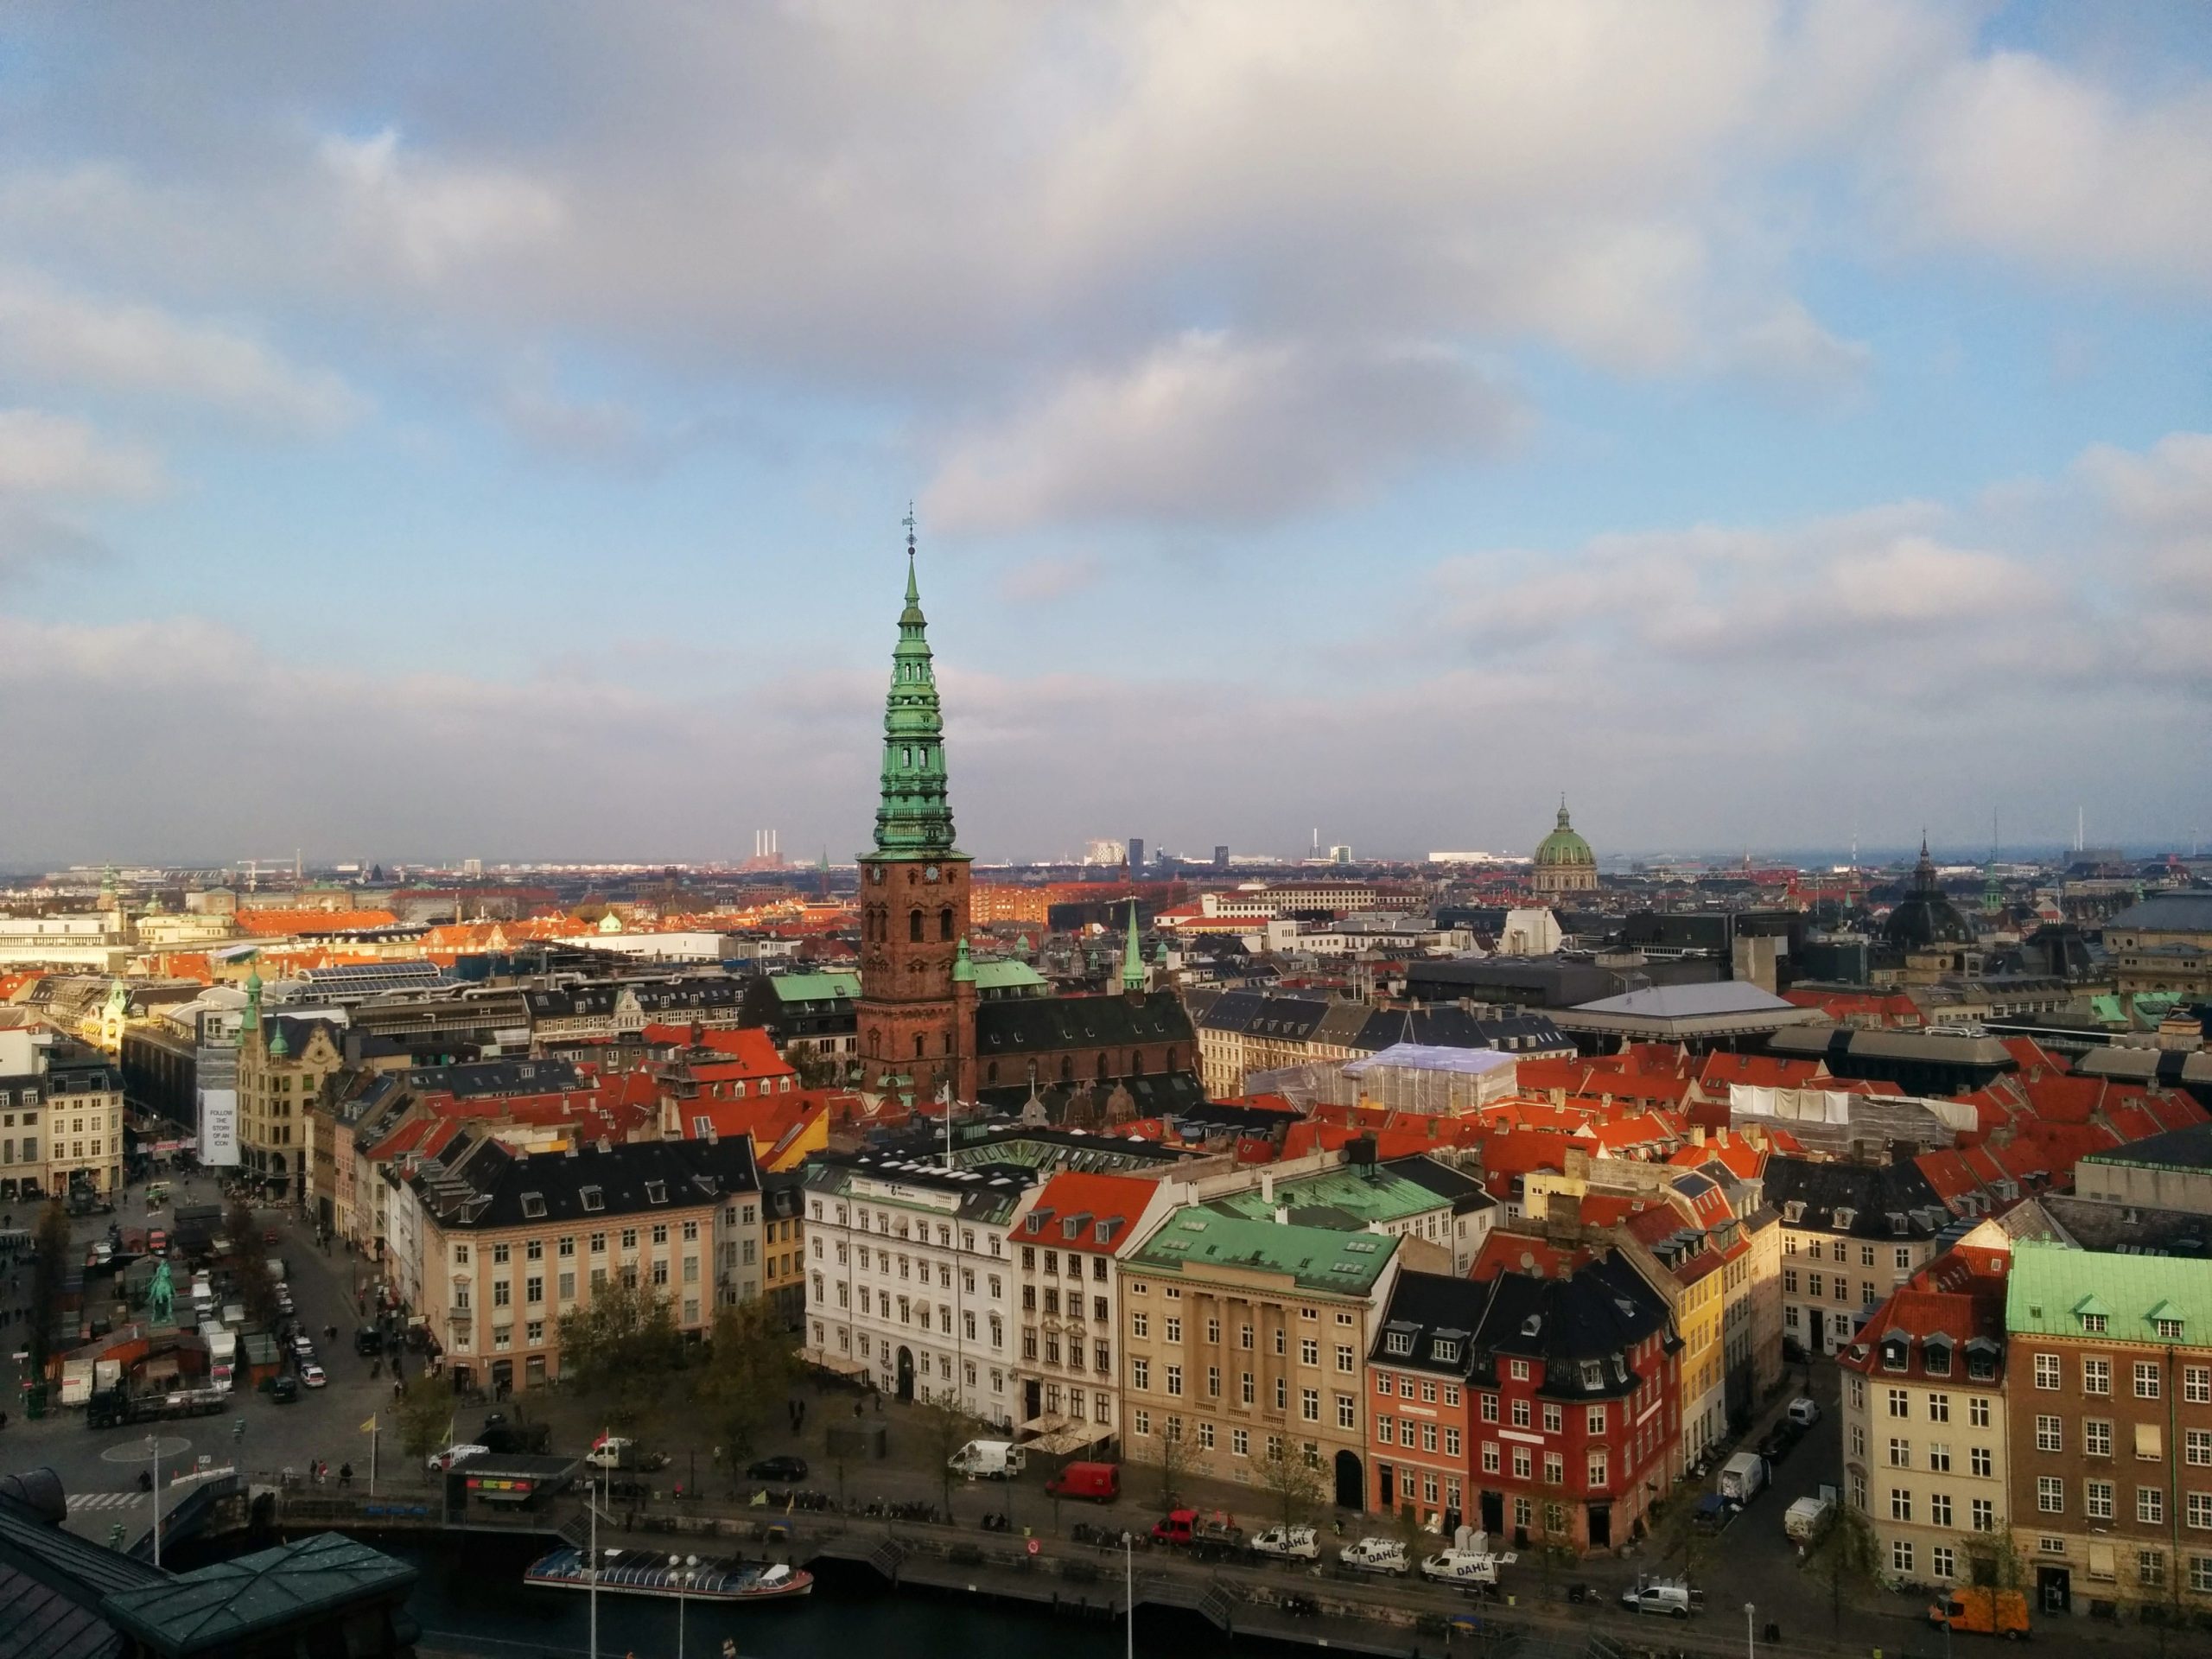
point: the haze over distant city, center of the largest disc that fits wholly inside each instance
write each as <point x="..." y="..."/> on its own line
<point x="429" y="432"/>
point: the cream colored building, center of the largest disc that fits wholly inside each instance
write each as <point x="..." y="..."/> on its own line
<point x="283" y="1066"/>
<point x="1245" y="1338"/>
<point x="61" y="1117"/>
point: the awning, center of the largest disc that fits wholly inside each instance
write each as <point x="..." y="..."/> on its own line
<point x="1056" y="1435"/>
<point x="840" y="1364"/>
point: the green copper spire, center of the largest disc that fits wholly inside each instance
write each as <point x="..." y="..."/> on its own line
<point x="1133" y="956"/>
<point x="963" y="970"/>
<point x="913" y="819"/>
<point x="249" y="1024"/>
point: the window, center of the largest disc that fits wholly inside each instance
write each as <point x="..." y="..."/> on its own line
<point x="2096" y="1437"/>
<point x="1345" y="1366"/>
<point x="1942" y="1562"/>
<point x="1491" y="1460"/>
<point x="1900" y="1503"/>
<point x="1452" y="1443"/>
<point x="1593" y="1419"/>
<point x="2150" y="1442"/>
<point x="1978" y="1412"/>
<point x="1983" y="1465"/>
<point x="1857" y="1441"/>
<point x="1174" y="1376"/>
<point x="1939" y="1457"/>
<point x="2146" y="1379"/>
<point x="1597" y="1470"/>
<point x="1309" y="1405"/>
<point x="2150" y="1569"/>
<point x="1520" y="1413"/>
<point x="2197" y="1384"/>
<point x="1524" y="1466"/>
<point x="1347" y="1411"/>
<point x="1900" y="1403"/>
<point x="2200" y="1574"/>
<point x="1171" y="1329"/>
<point x="2196" y="1444"/>
<point x="1139" y="1325"/>
<point x="1309" y="1351"/>
<point x="2097" y="1499"/>
<point x="1141" y="1423"/>
<point x="1900" y="1556"/>
<point x="1900" y="1455"/>
<point x="2094" y="1324"/>
<point x="1386" y="1428"/>
<point x="2199" y="1511"/>
<point x="500" y="1255"/>
<point x="2096" y="1376"/>
<point x="1554" y="1469"/>
<point x="1939" y="1508"/>
<point x="2050" y="1495"/>
<point x="2047" y="1372"/>
<point x="1519" y="1370"/>
<point x="1490" y="1408"/>
<point x="2049" y="1435"/>
<point x="1985" y="1516"/>
<point x="1939" y="1406"/>
<point x="1140" y="1373"/>
<point x="1240" y="1442"/>
<point x="1553" y="1419"/>
<point x="2151" y="1506"/>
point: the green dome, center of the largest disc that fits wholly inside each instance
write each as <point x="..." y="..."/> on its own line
<point x="1563" y="846"/>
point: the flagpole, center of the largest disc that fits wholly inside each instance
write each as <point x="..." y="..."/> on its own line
<point x="373" y="1457"/>
<point x="591" y="1502"/>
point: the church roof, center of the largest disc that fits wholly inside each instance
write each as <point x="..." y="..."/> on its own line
<point x="1032" y="1025"/>
<point x="1563" y="846"/>
<point x="914" y="818"/>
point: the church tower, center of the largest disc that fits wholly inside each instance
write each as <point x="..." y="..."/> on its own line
<point x="917" y="1015"/>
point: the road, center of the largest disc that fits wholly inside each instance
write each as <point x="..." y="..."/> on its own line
<point x="99" y="1471"/>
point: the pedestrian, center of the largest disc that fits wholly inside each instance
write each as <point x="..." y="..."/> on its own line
<point x="802" y="1416"/>
<point x="344" y="1474"/>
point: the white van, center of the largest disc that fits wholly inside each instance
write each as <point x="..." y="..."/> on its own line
<point x="1672" y="1597"/>
<point x="987" y="1460"/>
<point x="1465" y="1567"/>
<point x="1804" y="1411"/>
<point x="1375" y="1555"/>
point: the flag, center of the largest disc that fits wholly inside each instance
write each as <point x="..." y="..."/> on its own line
<point x="600" y="1441"/>
<point x="369" y="1427"/>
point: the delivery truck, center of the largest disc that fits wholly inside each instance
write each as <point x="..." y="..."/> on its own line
<point x="987" y="1460"/>
<point x="1742" y="1477"/>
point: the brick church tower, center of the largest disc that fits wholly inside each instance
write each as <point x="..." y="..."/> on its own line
<point x="917" y="1013"/>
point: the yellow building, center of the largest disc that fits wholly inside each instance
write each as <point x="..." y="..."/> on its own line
<point x="283" y="1066"/>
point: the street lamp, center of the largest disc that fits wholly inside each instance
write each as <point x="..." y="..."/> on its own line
<point x="1749" y="1650"/>
<point x="684" y="1569"/>
<point x="154" y="1452"/>
<point x="1129" y="1588"/>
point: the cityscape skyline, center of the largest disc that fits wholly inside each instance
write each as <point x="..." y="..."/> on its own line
<point x="1763" y="453"/>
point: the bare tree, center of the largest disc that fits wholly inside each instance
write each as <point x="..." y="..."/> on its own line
<point x="1295" y="1487"/>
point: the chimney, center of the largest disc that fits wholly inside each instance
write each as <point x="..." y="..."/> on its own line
<point x="1697" y="1134"/>
<point x="1282" y="1216"/>
<point x="1266" y="1186"/>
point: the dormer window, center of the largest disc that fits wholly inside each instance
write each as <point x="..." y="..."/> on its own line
<point x="1935" y="1357"/>
<point x="1593" y="1374"/>
<point x="1845" y="1217"/>
<point x="656" y="1192"/>
<point x="2168" y="1330"/>
<point x="1794" y="1212"/>
<point x="1448" y="1351"/>
<point x="2094" y="1324"/>
<point x="1897" y="1353"/>
<point x="533" y="1207"/>
<point x="591" y="1197"/>
<point x="1399" y="1343"/>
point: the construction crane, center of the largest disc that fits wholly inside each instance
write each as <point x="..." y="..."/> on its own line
<point x="252" y="868"/>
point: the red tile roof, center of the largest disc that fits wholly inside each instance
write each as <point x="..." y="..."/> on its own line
<point x="1071" y="1193"/>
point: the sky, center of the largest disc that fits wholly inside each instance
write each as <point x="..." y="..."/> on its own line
<point x="433" y="432"/>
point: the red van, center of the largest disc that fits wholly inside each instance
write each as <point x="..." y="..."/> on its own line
<point x="1101" y="1481"/>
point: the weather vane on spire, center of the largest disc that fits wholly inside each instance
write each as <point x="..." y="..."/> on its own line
<point x="909" y="522"/>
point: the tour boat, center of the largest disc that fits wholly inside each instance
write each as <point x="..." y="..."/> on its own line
<point x="646" y="1573"/>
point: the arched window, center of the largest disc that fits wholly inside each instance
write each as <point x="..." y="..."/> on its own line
<point x="1171" y="1057"/>
<point x="918" y="1045"/>
<point x="948" y="1042"/>
<point x="914" y="926"/>
<point x="1102" y="1068"/>
<point x="991" y="1073"/>
<point x="875" y="1040"/>
<point x="945" y="925"/>
<point x="1067" y="1070"/>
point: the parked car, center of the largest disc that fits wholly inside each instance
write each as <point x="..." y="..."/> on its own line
<point x="368" y="1342"/>
<point x="784" y="1469"/>
<point x="1188" y="1527"/>
<point x="1375" y="1555"/>
<point x="1672" y="1597"/>
<point x="311" y="1374"/>
<point x="284" y="1390"/>
<point x="1472" y="1569"/>
<point x="303" y="1348"/>
<point x="1099" y="1481"/>
<point x="1804" y="1411"/>
<point x="1288" y="1544"/>
<point x="439" y="1462"/>
<point x="990" y="1459"/>
<point x="269" y="1235"/>
<point x="1982" y="1612"/>
<point x="1780" y="1440"/>
<point x="1807" y="1517"/>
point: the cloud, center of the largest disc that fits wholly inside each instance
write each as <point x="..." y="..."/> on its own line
<point x="2020" y="157"/>
<point x="68" y="339"/>
<point x="1788" y="349"/>
<point x="426" y="217"/>
<point x="1052" y="577"/>
<point x="42" y="454"/>
<point x="33" y="541"/>
<point x="1214" y="430"/>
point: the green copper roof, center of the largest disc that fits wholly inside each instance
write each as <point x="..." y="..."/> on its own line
<point x="1196" y="1238"/>
<point x="815" y="988"/>
<point x="1386" y="1197"/>
<point x="1133" y="956"/>
<point x="913" y="819"/>
<point x="964" y="966"/>
<point x="239" y="1603"/>
<point x="1563" y="846"/>
<point x="2052" y="1286"/>
<point x="999" y="974"/>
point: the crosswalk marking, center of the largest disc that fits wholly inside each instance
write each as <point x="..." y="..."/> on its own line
<point x="104" y="1500"/>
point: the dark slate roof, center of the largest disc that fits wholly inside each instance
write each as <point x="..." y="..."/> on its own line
<point x="1877" y="1195"/>
<point x="484" y="1183"/>
<point x="1560" y="984"/>
<point x="1156" y="1094"/>
<point x="485" y="1079"/>
<point x="1451" y="1027"/>
<point x="1038" y="1025"/>
<point x="1234" y="1010"/>
<point x="2167" y="912"/>
<point x="1599" y="1314"/>
<point x="237" y="1603"/>
<point x="2182" y="1148"/>
<point x="1465" y="1192"/>
<point x="51" y="1585"/>
<point x="780" y="1193"/>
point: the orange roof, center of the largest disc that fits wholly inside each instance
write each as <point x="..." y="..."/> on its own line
<point x="1075" y="1194"/>
<point x="744" y="1051"/>
<point x="270" y="924"/>
<point x="1758" y="1070"/>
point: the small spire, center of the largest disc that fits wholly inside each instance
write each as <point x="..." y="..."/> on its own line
<point x="913" y="589"/>
<point x="1132" y="954"/>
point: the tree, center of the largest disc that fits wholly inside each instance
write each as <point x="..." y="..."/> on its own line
<point x="945" y="1427"/>
<point x="1994" y="1559"/>
<point x="1849" y="1554"/>
<point x="750" y="1365"/>
<point x="49" y="1270"/>
<point x="422" y="1416"/>
<point x="250" y="1263"/>
<point x="620" y="1347"/>
<point x="1295" y="1487"/>
<point x="1178" y="1460"/>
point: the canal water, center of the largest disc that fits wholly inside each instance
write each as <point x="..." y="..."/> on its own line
<point x="470" y="1599"/>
